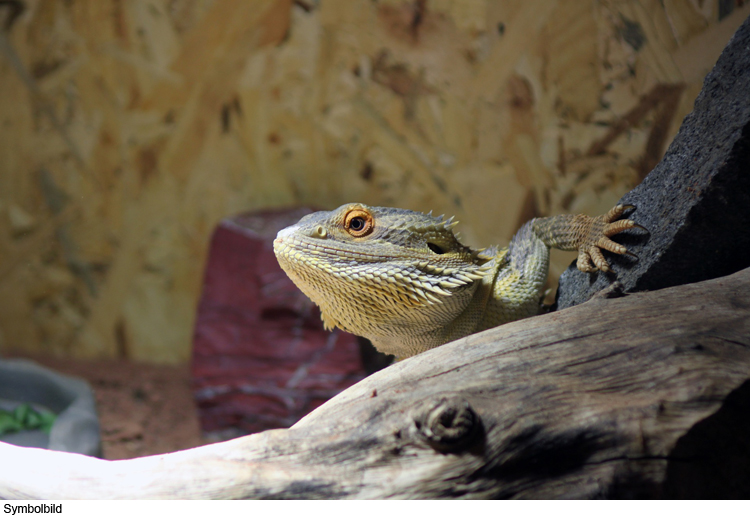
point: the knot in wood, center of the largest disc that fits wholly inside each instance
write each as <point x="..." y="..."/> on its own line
<point x="448" y="424"/>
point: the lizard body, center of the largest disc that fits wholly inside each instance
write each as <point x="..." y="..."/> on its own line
<point x="403" y="280"/>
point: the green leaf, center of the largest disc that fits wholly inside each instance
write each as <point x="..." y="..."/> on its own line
<point x="8" y="423"/>
<point x="25" y="417"/>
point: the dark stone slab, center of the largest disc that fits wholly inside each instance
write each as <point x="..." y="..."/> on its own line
<point x="696" y="201"/>
<point x="261" y="358"/>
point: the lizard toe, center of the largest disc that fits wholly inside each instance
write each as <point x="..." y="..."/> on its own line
<point x="618" y="227"/>
<point x="584" y="262"/>
<point x="599" y="260"/>
<point x="616" y="212"/>
<point x="609" y="245"/>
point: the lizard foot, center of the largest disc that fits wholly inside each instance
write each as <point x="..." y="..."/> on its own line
<point x="595" y="237"/>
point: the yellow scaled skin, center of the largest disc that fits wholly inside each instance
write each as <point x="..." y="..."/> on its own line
<point x="402" y="279"/>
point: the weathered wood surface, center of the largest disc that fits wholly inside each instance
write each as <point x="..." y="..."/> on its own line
<point x="642" y="396"/>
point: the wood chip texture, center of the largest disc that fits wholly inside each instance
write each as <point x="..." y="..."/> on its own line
<point x="128" y="130"/>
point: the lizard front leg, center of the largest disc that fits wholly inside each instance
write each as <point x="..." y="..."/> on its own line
<point x="522" y="269"/>
<point x="586" y="234"/>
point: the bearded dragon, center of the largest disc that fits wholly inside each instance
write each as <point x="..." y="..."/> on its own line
<point x="403" y="280"/>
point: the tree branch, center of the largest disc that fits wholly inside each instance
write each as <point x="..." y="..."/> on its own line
<point x="641" y="396"/>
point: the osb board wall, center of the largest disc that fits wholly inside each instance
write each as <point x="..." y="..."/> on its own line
<point x="128" y="129"/>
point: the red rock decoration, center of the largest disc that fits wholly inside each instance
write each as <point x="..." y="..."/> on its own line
<point x="261" y="358"/>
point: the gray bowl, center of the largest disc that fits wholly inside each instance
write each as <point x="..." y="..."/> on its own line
<point x="76" y="428"/>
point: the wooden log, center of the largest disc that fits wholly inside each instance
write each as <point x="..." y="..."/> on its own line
<point x="641" y="396"/>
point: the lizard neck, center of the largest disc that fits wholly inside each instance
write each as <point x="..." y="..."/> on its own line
<point x="467" y="321"/>
<point x="426" y="327"/>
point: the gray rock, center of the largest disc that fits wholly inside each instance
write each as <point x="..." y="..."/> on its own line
<point x="696" y="201"/>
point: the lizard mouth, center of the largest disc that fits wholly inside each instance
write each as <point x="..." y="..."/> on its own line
<point x="292" y="244"/>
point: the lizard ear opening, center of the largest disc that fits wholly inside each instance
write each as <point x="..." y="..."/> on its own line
<point x="435" y="248"/>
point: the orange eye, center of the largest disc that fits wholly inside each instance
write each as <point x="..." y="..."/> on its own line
<point x="359" y="223"/>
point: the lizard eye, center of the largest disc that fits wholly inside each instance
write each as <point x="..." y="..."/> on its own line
<point x="359" y="223"/>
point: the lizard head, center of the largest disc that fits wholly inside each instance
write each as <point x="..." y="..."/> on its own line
<point x="383" y="273"/>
